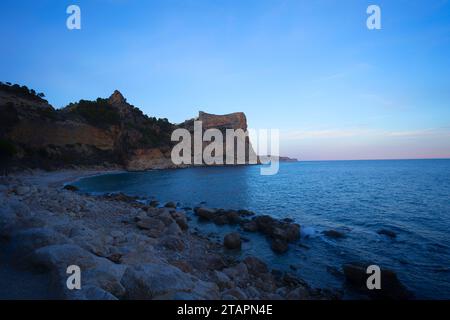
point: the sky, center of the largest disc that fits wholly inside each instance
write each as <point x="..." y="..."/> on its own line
<point x="312" y="69"/>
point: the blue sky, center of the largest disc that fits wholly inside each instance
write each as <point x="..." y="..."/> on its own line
<point x="312" y="69"/>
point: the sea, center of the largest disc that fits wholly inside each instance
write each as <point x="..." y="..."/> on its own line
<point x="357" y="198"/>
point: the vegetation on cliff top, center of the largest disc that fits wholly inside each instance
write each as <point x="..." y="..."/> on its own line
<point x="97" y="113"/>
<point x="22" y="91"/>
<point x="153" y="132"/>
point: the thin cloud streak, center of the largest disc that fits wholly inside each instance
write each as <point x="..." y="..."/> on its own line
<point x="293" y="135"/>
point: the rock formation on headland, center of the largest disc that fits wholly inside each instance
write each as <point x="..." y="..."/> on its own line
<point x="106" y="132"/>
<point x="234" y="121"/>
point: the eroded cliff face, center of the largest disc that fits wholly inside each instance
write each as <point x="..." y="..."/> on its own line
<point x="107" y="132"/>
<point x="145" y="159"/>
<point x="234" y="121"/>
<point x="40" y="134"/>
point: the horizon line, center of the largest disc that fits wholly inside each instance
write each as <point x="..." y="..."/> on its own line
<point x="396" y="159"/>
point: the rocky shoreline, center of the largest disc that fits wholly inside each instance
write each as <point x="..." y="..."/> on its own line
<point x="132" y="249"/>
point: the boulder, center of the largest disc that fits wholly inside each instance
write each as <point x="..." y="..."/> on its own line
<point x="250" y="226"/>
<point x="94" y="270"/>
<point x="170" y="204"/>
<point x="220" y="219"/>
<point x="391" y="287"/>
<point x="106" y="277"/>
<point x="265" y="224"/>
<point x="238" y="273"/>
<point x="149" y="223"/>
<point x="292" y="232"/>
<point x="232" y="241"/>
<point x="222" y="280"/>
<point x="115" y="257"/>
<point x="205" y="213"/>
<point x="255" y="266"/>
<point x="174" y="230"/>
<point x="266" y="282"/>
<point x="173" y="243"/>
<point x="95" y="293"/>
<point x="289" y="232"/>
<point x="59" y="256"/>
<point x="245" y="213"/>
<point x="388" y="233"/>
<point x="277" y="229"/>
<point x="149" y="281"/>
<point x="292" y="281"/>
<point x="163" y="214"/>
<point x="153" y="203"/>
<point x="181" y="219"/>
<point x="252" y="293"/>
<point x="232" y="217"/>
<point x="122" y="197"/>
<point x="223" y="217"/>
<point x="182" y="265"/>
<point x="215" y="262"/>
<point x="334" y="234"/>
<point x="182" y="223"/>
<point x="204" y="290"/>
<point x="98" y="244"/>
<point x="26" y="241"/>
<point x="279" y="246"/>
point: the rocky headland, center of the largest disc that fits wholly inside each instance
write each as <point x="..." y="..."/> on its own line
<point x="110" y="132"/>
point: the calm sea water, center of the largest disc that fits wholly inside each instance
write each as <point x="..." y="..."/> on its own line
<point x="409" y="197"/>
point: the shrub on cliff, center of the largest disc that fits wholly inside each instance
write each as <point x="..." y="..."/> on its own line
<point x="156" y="132"/>
<point x="98" y="113"/>
<point x="22" y="92"/>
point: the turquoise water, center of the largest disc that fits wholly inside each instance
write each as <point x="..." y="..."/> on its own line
<point x="409" y="197"/>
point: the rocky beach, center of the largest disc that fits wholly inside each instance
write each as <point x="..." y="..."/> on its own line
<point x="127" y="248"/>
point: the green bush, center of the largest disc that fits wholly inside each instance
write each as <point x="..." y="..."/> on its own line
<point x="98" y="113"/>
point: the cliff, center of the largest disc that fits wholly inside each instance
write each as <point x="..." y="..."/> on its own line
<point x="107" y="132"/>
<point x="233" y="121"/>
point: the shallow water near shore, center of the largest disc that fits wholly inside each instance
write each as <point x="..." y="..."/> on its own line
<point x="357" y="198"/>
